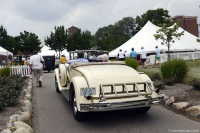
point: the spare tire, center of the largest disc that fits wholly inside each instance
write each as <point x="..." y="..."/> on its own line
<point x="63" y="75"/>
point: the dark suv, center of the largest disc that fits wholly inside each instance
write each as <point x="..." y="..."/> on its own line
<point x="49" y="62"/>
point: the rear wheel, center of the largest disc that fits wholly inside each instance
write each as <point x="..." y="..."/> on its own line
<point x="143" y="109"/>
<point x="56" y="85"/>
<point x="77" y="114"/>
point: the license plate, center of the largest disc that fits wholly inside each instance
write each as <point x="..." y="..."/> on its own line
<point x="88" y="91"/>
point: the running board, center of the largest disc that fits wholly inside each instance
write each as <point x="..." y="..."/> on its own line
<point x="65" y="93"/>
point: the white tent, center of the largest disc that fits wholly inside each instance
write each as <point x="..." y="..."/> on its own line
<point x="189" y="39"/>
<point x="145" y="37"/>
<point x="5" y="52"/>
<point x="46" y="51"/>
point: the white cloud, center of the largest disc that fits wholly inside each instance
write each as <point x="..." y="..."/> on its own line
<point x="40" y="17"/>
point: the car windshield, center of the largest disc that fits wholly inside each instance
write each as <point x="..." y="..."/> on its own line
<point x="92" y="55"/>
<point x="73" y="65"/>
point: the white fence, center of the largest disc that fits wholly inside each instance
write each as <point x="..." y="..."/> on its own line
<point x="183" y="56"/>
<point x="23" y="70"/>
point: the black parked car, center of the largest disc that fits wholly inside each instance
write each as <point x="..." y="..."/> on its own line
<point x="49" y="62"/>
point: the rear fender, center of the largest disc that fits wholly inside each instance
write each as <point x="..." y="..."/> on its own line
<point x="144" y="76"/>
<point x="56" y="73"/>
<point x="77" y="83"/>
<point x="63" y="75"/>
<point x="147" y="78"/>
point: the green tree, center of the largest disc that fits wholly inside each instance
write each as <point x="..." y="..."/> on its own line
<point x="87" y="39"/>
<point x="6" y="41"/>
<point x="80" y="40"/>
<point x="57" y="40"/>
<point x="126" y="26"/>
<point x="3" y="35"/>
<point x="112" y="36"/>
<point x="168" y="35"/>
<point x="123" y="30"/>
<point x="74" y="41"/>
<point x="157" y="17"/>
<point x="10" y="44"/>
<point x="27" y="42"/>
<point x="103" y="38"/>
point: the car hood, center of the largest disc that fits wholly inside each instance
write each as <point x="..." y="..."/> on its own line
<point x="109" y="74"/>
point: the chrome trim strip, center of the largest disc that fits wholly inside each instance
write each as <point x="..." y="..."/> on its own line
<point x="97" y="107"/>
<point x="125" y="87"/>
<point x="103" y="96"/>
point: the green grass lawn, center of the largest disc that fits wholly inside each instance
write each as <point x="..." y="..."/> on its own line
<point x="194" y="69"/>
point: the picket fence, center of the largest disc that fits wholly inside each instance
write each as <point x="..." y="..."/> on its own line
<point x="180" y="55"/>
<point x="23" y="70"/>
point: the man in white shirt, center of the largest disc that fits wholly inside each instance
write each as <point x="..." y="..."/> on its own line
<point x="121" y="55"/>
<point x="126" y="54"/>
<point x="36" y="63"/>
<point x="143" y="57"/>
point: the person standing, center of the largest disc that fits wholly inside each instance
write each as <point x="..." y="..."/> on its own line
<point x="143" y="57"/>
<point x="3" y="63"/>
<point x="36" y="64"/>
<point x="157" y="56"/>
<point x="28" y="61"/>
<point x="121" y="55"/>
<point x="9" y="63"/>
<point x="75" y="55"/>
<point x="126" y="54"/>
<point x="133" y="54"/>
<point x="25" y="62"/>
<point x="63" y="59"/>
<point x="85" y="55"/>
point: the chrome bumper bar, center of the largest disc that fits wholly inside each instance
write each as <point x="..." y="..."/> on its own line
<point x="103" y="106"/>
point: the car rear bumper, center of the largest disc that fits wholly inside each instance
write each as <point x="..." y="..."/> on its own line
<point x="120" y="105"/>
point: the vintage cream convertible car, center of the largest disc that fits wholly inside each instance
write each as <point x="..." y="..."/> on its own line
<point x="104" y="86"/>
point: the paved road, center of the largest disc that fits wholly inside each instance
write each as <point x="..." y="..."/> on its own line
<point x="52" y="114"/>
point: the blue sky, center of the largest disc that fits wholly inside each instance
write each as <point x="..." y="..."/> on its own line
<point x="40" y="16"/>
